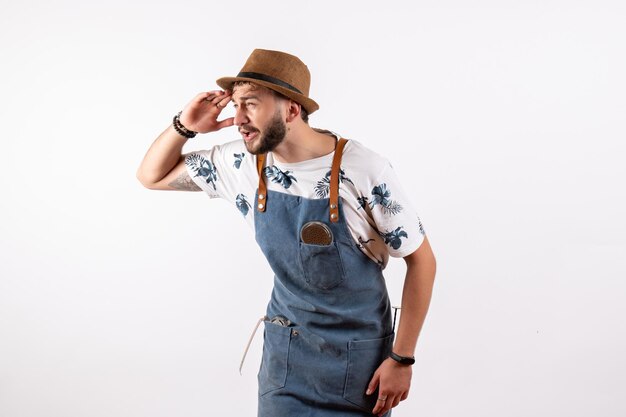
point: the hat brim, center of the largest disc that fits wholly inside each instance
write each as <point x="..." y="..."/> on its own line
<point x="309" y="105"/>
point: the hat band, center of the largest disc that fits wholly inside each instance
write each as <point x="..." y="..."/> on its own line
<point x="269" y="79"/>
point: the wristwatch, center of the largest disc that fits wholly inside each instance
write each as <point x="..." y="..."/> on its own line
<point x="404" y="360"/>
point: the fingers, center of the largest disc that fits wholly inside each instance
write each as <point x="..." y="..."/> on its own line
<point x="219" y="98"/>
<point x="380" y="405"/>
<point x="392" y="382"/>
<point x="384" y="403"/>
<point x="387" y="400"/>
<point x="396" y="401"/>
<point x="380" y="401"/>
<point x="222" y="101"/>
<point x="216" y="100"/>
<point x="226" y="123"/>
<point x="373" y="384"/>
<point x="207" y="96"/>
<point x="388" y="405"/>
<point x="202" y="112"/>
<point x="391" y="402"/>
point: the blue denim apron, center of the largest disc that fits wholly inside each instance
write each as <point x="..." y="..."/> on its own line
<point x="320" y="361"/>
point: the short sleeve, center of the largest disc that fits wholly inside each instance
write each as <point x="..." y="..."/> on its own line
<point x="395" y="217"/>
<point x="217" y="171"/>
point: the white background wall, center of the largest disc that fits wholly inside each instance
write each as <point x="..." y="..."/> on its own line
<point x="506" y="118"/>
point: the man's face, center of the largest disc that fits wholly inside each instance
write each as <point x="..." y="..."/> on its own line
<point x="259" y="118"/>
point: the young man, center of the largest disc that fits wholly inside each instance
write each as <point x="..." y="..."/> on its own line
<point x="327" y="213"/>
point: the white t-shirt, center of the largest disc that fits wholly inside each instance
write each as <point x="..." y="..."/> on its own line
<point x="378" y="213"/>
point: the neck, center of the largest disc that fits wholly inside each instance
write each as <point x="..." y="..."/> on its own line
<point x="303" y="143"/>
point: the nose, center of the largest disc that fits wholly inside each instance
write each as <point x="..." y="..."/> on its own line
<point x="240" y="117"/>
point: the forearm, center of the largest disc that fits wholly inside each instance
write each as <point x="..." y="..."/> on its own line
<point x="416" y="295"/>
<point x="162" y="156"/>
<point x="200" y="115"/>
<point x="393" y="379"/>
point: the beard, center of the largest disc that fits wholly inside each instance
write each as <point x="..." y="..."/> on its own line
<point x="273" y="134"/>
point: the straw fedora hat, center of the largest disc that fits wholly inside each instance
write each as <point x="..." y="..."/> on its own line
<point x="278" y="71"/>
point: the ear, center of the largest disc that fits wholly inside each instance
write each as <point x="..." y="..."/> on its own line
<point x="293" y="111"/>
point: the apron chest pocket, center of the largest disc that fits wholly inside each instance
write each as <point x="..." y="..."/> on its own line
<point x="364" y="357"/>
<point x="273" y="372"/>
<point x="321" y="265"/>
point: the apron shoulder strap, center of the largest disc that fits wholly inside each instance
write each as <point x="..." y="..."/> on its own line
<point x="260" y="164"/>
<point x="334" y="181"/>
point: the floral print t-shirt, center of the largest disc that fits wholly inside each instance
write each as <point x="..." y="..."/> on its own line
<point x="378" y="213"/>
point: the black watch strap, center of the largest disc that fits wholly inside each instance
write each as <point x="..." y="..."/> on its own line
<point x="404" y="360"/>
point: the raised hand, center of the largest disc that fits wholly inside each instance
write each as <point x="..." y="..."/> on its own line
<point x="200" y="115"/>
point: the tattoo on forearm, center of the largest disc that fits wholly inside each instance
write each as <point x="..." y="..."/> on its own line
<point x="184" y="183"/>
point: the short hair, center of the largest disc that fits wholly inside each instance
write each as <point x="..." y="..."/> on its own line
<point x="303" y="113"/>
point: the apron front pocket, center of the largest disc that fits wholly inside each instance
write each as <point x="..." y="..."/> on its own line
<point x="321" y="265"/>
<point x="364" y="357"/>
<point x="273" y="372"/>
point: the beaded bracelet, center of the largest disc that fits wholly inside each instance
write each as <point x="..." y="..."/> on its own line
<point x="181" y="129"/>
<point x="181" y="126"/>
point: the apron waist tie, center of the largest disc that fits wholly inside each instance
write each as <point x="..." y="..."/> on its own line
<point x="245" y="352"/>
